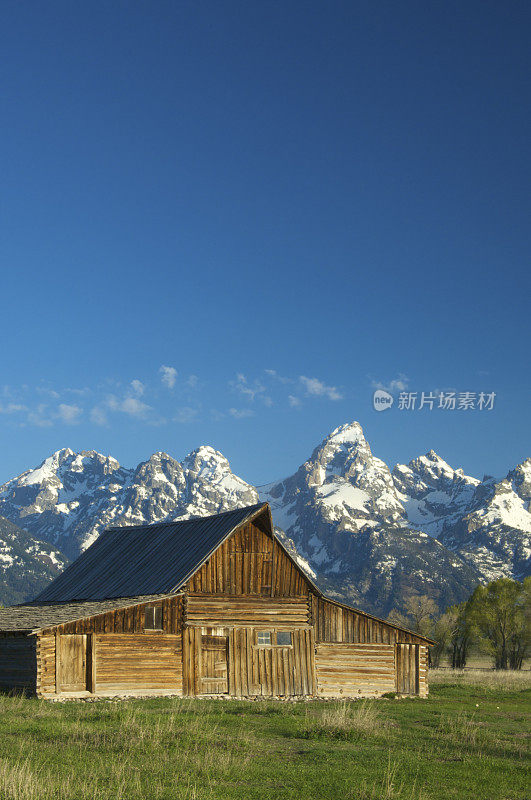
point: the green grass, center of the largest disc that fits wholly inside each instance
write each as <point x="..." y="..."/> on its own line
<point x="468" y="740"/>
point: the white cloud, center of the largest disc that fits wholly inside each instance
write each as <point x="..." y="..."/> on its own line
<point x="398" y="384"/>
<point x="137" y="387"/>
<point x="39" y="417"/>
<point x="169" y="376"/>
<point x="185" y="414"/>
<point x="241" y="386"/>
<point x="98" y="416"/>
<point x="241" y="413"/>
<point x="192" y="381"/>
<point x="272" y="373"/>
<point x="69" y="414"/>
<point x="81" y="392"/>
<point x="129" y="405"/>
<point x="251" y="391"/>
<point x="293" y="401"/>
<point x="48" y="392"/>
<point x="317" y="388"/>
<point x="12" y="408"/>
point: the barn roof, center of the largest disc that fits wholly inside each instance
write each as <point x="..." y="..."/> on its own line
<point x="148" y="559"/>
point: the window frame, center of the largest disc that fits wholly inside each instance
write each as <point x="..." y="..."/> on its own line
<point x="273" y="638"/>
<point x="156" y="611"/>
<point x="284" y="644"/>
<point x="264" y="644"/>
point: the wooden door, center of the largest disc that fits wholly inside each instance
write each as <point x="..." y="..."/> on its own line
<point x="72" y="666"/>
<point x="407" y="668"/>
<point x="214" y="665"/>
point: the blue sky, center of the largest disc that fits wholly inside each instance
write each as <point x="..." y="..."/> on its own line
<point x="285" y="205"/>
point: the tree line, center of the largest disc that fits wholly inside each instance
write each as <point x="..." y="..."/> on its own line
<point x="495" y="619"/>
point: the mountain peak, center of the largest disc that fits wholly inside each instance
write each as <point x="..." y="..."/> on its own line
<point x="204" y="462"/>
<point x="431" y="464"/>
<point x="350" y="432"/>
<point x="61" y="454"/>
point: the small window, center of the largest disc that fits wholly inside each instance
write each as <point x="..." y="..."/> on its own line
<point x="153" y="618"/>
<point x="264" y="637"/>
<point x="284" y="638"/>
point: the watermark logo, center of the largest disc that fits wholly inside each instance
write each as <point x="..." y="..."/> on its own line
<point x="445" y="401"/>
<point x="382" y="400"/>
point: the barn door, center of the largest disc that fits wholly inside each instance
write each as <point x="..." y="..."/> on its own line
<point x="407" y="668"/>
<point x="214" y="664"/>
<point x="72" y="663"/>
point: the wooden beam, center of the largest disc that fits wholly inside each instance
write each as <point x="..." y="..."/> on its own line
<point x="91" y="647"/>
<point x="57" y="663"/>
<point x="273" y="570"/>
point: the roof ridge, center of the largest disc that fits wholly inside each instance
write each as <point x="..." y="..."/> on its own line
<point x="198" y="518"/>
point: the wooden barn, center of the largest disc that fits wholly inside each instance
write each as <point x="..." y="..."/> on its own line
<point x="209" y="606"/>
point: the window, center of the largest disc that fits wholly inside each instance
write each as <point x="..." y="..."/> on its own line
<point x="283" y="638"/>
<point x="153" y="618"/>
<point x="264" y="637"/>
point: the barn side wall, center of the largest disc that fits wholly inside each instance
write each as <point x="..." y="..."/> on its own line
<point x="18" y="663"/>
<point x="122" y="657"/>
<point x="358" y="655"/>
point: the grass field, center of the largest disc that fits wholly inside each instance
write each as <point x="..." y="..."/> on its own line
<point x="470" y="739"/>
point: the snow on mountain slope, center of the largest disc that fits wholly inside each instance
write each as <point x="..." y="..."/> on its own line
<point x="368" y="534"/>
<point x="432" y="493"/>
<point x="494" y="534"/>
<point x="487" y="522"/>
<point x="345" y="516"/>
<point x="26" y="564"/>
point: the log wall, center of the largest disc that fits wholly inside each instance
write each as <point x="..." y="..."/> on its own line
<point x="121" y="629"/>
<point x="125" y="664"/>
<point x="18" y="662"/>
<point x="46" y="664"/>
<point x="216" y="610"/>
<point x="116" y="664"/>
<point x="354" y="670"/>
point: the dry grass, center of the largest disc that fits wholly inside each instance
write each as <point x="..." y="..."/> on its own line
<point x="19" y="782"/>
<point x="346" y="720"/>
<point x="496" y="680"/>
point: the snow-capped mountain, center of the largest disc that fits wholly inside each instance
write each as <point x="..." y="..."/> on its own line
<point x="26" y="564"/>
<point x="346" y="516"/>
<point x="367" y="534"/>
<point x="487" y="522"/>
<point x="72" y="497"/>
